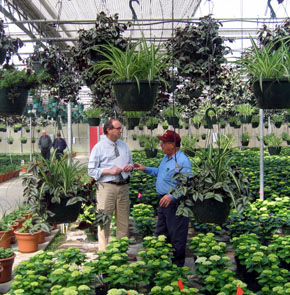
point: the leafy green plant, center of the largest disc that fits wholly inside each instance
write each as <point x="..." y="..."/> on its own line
<point x="171" y="111"/>
<point x="189" y="142"/>
<point x="134" y="136"/>
<point x="132" y="114"/>
<point x="213" y="177"/>
<point x="272" y="140"/>
<point x="10" y="140"/>
<point x="144" y="221"/>
<point x="245" y="109"/>
<point x="23" y="139"/>
<point x="6" y="253"/>
<point x="94" y="112"/>
<point x="139" y="61"/>
<point x="245" y="137"/>
<point x="225" y="140"/>
<point x="268" y="61"/>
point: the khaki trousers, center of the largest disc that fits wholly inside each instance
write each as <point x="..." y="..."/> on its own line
<point x="113" y="198"/>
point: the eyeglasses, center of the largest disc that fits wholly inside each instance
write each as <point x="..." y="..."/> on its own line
<point x="119" y="128"/>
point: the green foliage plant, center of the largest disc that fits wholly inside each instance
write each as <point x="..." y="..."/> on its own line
<point x="133" y="114"/>
<point x="272" y="140"/>
<point x="173" y="289"/>
<point x="134" y="136"/>
<point x="189" y="142"/>
<point x="225" y="140"/>
<point x="245" y="109"/>
<point x="6" y="253"/>
<point x="266" y="61"/>
<point x="144" y="221"/>
<point x="139" y="61"/>
<point x="213" y="177"/>
<point x="10" y="140"/>
<point x="115" y="291"/>
<point x="245" y="136"/>
<point x="94" y="112"/>
<point x="171" y="111"/>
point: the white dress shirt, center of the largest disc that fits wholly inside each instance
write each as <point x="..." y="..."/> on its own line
<point x="103" y="157"/>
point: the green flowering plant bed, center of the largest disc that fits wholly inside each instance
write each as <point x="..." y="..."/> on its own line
<point x="122" y="292"/>
<point x="144" y="221"/>
<point x="173" y="289"/>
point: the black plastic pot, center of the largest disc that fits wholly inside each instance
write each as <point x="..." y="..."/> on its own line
<point x="274" y="151"/>
<point x="16" y="107"/>
<point x="275" y="94"/>
<point x="278" y="124"/>
<point x="2" y="55"/>
<point x="132" y="123"/>
<point x="150" y="153"/>
<point x="153" y="126"/>
<point x="94" y="121"/>
<point x="131" y="98"/>
<point x="246" y="119"/>
<point x="255" y="124"/>
<point x="173" y="121"/>
<point x="211" y="211"/>
<point x="245" y="143"/>
<point x="196" y="125"/>
<point x="63" y="213"/>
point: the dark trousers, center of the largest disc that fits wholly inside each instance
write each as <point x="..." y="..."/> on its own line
<point x="45" y="153"/>
<point x="58" y="154"/>
<point x="175" y="228"/>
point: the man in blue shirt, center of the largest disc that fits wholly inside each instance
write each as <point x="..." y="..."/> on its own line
<point x="174" y="227"/>
<point x="59" y="144"/>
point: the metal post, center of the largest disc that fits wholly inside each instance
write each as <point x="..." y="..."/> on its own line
<point x="30" y="126"/>
<point x="69" y="132"/>
<point x="261" y="126"/>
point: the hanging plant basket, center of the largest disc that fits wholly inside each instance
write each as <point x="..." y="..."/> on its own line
<point x="211" y="211"/>
<point x="278" y="124"/>
<point x="255" y="124"/>
<point x="130" y="98"/>
<point x="94" y="121"/>
<point x="63" y="213"/>
<point x="10" y="108"/>
<point x="132" y="123"/>
<point x="2" y="55"/>
<point x="246" y="119"/>
<point x="275" y="94"/>
<point x="274" y="151"/>
<point x="173" y="121"/>
<point x="245" y="143"/>
<point x="151" y="153"/>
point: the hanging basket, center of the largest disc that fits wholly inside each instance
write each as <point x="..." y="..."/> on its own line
<point x="2" y="55"/>
<point x="274" y="151"/>
<point x="94" y="121"/>
<point x="150" y="153"/>
<point x="131" y="98"/>
<point x="10" y="108"/>
<point x="132" y="123"/>
<point x="63" y="213"/>
<point x="246" y="119"/>
<point x="173" y="121"/>
<point x="245" y="143"/>
<point x="275" y="94"/>
<point x="211" y="211"/>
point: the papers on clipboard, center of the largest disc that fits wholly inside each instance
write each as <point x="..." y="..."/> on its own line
<point x="120" y="162"/>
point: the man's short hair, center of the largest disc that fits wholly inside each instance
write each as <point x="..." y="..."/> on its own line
<point x="109" y="125"/>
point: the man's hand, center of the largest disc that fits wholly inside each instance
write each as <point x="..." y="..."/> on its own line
<point x="138" y="166"/>
<point x="165" y="201"/>
<point x="128" y="168"/>
<point x="115" y="171"/>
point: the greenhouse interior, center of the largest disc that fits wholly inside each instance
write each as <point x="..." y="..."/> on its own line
<point x="141" y="151"/>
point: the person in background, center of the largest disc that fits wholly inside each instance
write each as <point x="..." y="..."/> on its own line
<point x="174" y="227"/>
<point x="59" y="144"/>
<point x="45" y="144"/>
<point x="108" y="160"/>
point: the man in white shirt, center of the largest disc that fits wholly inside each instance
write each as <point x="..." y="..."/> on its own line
<point x="109" y="164"/>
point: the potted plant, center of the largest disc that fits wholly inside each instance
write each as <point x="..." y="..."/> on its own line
<point x="55" y="190"/>
<point x="245" y="138"/>
<point x="7" y="257"/>
<point x="189" y="144"/>
<point x="23" y="139"/>
<point x="10" y="140"/>
<point x="3" y="127"/>
<point x="255" y="121"/>
<point x="133" y="119"/>
<point x="152" y="123"/>
<point x="165" y="125"/>
<point x="141" y="126"/>
<point x="27" y="237"/>
<point x="274" y="143"/>
<point x="268" y="67"/>
<point x="196" y="120"/>
<point x="278" y="120"/>
<point x="6" y="233"/>
<point x="171" y="116"/>
<point x="14" y="86"/>
<point x="134" y="136"/>
<point x="203" y="136"/>
<point x="17" y="127"/>
<point x="213" y="187"/>
<point x="93" y="115"/>
<point x="134" y="72"/>
<point x="150" y="146"/>
<point x="245" y="112"/>
<point x="33" y="140"/>
<point x="38" y="129"/>
<point x="210" y="117"/>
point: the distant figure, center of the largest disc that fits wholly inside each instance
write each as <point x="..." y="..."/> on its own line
<point x="45" y="144"/>
<point x="59" y="145"/>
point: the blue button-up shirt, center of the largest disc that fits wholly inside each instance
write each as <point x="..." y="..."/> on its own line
<point x="103" y="157"/>
<point x="167" y="169"/>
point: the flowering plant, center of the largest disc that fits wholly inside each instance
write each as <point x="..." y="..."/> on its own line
<point x="173" y="289"/>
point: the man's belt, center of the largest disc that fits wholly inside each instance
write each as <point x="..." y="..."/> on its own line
<point x="119" y="182"/>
